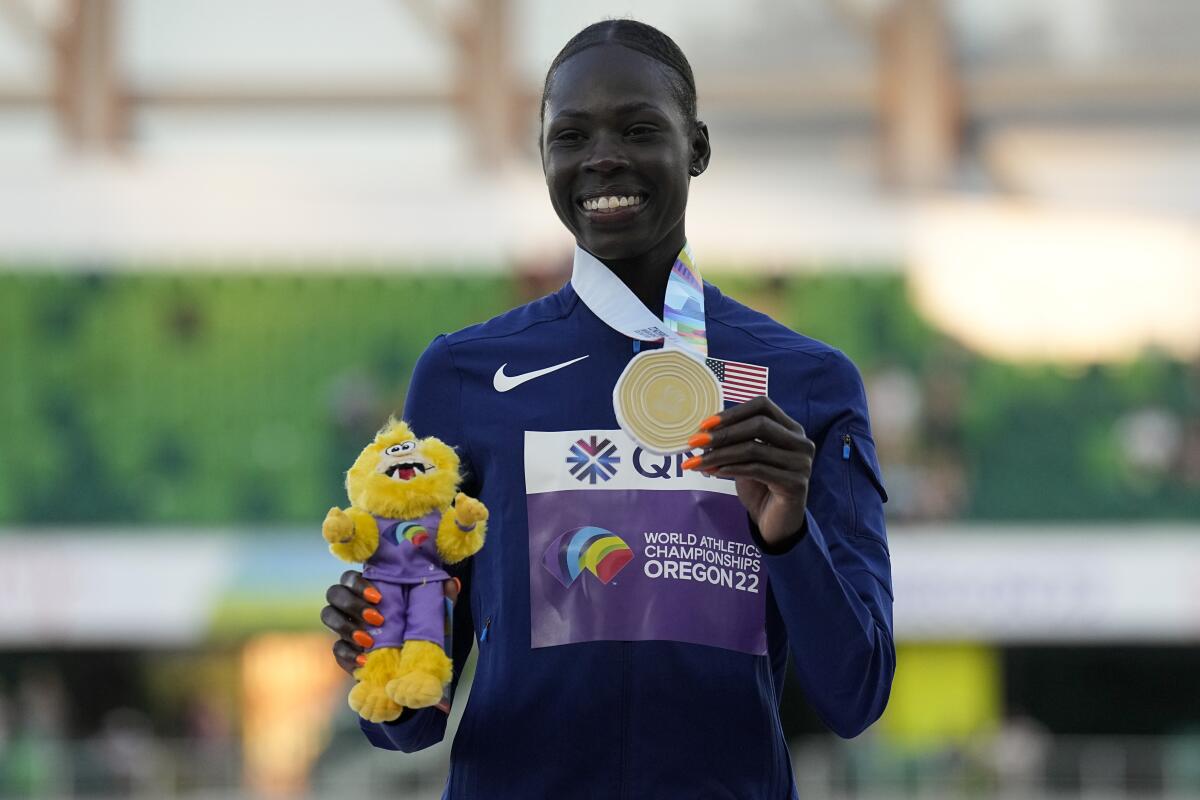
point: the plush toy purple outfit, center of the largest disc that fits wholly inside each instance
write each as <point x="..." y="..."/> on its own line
<point x="408" y="572"/>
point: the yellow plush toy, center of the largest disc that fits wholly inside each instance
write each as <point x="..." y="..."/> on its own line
<point x="401" y="524"/>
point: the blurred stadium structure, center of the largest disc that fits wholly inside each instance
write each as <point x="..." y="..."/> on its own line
<point x="230" y="228"/>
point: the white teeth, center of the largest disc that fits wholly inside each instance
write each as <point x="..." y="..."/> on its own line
<point x="610" y="203"/>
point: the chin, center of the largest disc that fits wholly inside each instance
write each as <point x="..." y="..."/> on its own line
<point x="618" y="244"/>
<point x="606" y="249"/>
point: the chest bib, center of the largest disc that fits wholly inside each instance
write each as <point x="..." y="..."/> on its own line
<point x="624" y="544"/>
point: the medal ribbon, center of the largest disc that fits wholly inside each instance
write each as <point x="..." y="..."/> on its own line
<point x="682" y="325"/>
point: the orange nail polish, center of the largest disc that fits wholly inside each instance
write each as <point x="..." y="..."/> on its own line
<point x="361" y="659"/>
<point x="363" y="639"/>
<point x="692" y="462"/>
<point x="700" y="440"/>
<point x="372" y="594"/>
<point x="373" y="617"/>
<point x="710" y="423"/>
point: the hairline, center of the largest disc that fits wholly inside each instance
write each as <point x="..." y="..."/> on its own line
<point x="677" y="80"/>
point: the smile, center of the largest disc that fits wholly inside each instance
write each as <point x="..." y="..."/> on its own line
<point x="611" y="203"/>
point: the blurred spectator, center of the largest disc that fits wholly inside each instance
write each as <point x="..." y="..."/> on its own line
<point x="1017" y="754"/>
<point x="1150" y="440"/>
<point x="126" y="744"/>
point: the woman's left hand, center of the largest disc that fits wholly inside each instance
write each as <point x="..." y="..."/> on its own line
<point x="770" y="459"/>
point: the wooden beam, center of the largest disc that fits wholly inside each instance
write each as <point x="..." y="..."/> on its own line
<point x="919" y="96"/>
<point x="485" y="82"/>
<point x="92" y="109"/>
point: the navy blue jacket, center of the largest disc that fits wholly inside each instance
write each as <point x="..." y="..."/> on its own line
<point x="657" y="718"/>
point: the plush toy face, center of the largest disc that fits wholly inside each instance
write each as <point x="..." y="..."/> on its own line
<point x="402" y="477"/>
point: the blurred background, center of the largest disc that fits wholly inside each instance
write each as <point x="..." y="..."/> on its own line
<point x="227" y="230"/>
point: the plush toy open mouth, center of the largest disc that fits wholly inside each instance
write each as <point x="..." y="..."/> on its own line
<point x="407" y="470"/>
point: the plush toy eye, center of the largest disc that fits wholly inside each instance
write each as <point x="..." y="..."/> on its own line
<point x="398" y="449"/>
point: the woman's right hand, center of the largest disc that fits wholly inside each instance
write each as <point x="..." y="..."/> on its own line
<point x="351" y="609"/>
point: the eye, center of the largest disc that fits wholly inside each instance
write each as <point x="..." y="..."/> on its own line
<point x="568" y="137"/>
<point x="641" y="131"/>
<point x="399" y="449"/>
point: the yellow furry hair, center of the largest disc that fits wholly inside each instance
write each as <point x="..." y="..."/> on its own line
<point x="383" y="496"/>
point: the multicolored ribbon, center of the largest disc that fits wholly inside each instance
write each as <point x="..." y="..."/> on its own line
<point x="683" y="309"/>
<point x="682" y="325"/>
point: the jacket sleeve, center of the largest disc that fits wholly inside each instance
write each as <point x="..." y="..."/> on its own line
<point x="433" y="408"/>
<point x="832" y="583"/>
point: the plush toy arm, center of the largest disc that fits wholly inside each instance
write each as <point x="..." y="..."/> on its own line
<point x="352" y="534"/>
<point x="462" y="529"/>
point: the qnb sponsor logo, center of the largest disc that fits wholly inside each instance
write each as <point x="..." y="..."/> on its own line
<point x="588" y="549"/>
<point x="652" y="465"/>
<point x="593" y="459"/>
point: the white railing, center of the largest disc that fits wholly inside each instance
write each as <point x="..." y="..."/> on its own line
<point x="1087" y="767"/>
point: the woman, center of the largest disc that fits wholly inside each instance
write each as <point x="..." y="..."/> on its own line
<point x="661" y="676"/>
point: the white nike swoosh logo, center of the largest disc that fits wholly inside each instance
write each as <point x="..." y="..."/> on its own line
<point x="504" y="382"/>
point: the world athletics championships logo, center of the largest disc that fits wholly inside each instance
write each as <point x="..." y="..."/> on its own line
<point x="590" y="548"/>
<point x="593" y="460"/>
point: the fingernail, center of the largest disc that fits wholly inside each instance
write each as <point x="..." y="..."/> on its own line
<point x="373" y="617"/>
<point x="363" y="639"/>
<point x="372" y="594"/>
<point x="710" y="423"/>
<point x="700" y="440"/>
<point x="361" y="659"/>
<point x="692" y="462"/>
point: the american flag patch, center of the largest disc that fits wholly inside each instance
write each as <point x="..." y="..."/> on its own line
<point x="739" y="382"/>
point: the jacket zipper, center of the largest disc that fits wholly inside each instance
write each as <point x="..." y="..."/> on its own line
<point x="846" y="444"/>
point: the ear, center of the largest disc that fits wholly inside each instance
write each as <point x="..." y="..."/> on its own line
<point x="701" y="149"/>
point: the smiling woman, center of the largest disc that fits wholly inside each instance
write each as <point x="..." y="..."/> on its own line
<point x="617" y="158"/>
<point x="656" y="671"/>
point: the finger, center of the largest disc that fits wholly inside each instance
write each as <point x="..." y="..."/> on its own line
<point x="752" y="452"/>
<point x="354" y="581"/>
<point x="758" y="405"/>
<point x="778" y="480"/>
<point x="339" y="623"/>
<point x="759" y="427"/>
<point x="347" y="656"/>
<point x="346" y="601"/>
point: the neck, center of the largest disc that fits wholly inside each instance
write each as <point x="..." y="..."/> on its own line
<point x="646" y="275"/>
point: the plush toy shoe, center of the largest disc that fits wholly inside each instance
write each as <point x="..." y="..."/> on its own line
<point x="424" y="672"/>
<point x="373" y="703"/>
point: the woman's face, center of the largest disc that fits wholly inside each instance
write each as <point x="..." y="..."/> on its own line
<point x="613" y="128"/>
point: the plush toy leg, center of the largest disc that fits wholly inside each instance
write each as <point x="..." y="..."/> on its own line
<point x="424" y="671"/>
<point x="370" y="698"/>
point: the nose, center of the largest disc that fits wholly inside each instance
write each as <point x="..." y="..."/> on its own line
<point x="607" y="155"/>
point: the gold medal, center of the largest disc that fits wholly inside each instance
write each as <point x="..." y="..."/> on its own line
<point x="662" y="397"/>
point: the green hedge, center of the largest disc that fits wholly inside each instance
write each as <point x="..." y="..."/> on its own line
<point x="223" y="398"/>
